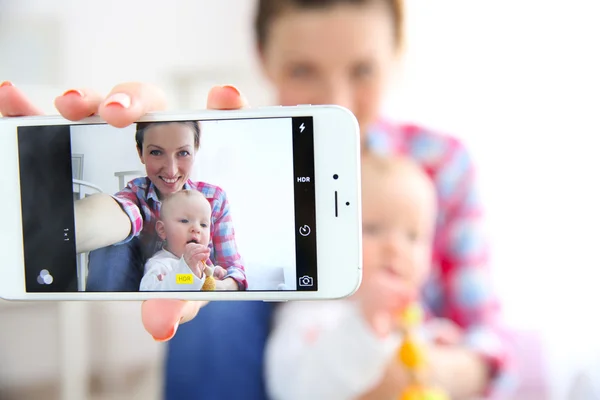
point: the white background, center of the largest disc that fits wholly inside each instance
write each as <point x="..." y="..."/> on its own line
<point x="517" y="80"/>
<point x="250" y="159"/>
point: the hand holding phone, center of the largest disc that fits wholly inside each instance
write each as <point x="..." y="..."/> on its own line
<point x="160" y="317"/>
<point x="299" y="207"/>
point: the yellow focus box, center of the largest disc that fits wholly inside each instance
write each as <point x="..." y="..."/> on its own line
<point x="184" y="279"/>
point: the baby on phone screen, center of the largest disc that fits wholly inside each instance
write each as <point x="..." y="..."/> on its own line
<point x="184" y="225"/>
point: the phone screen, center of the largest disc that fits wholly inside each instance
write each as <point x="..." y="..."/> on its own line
<point x="254" y="223"/>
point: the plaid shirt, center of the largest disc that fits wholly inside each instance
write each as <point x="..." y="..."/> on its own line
<point x="460" y="286"/>
<point x="140" y="202"/>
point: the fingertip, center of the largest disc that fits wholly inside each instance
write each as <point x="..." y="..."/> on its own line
<point x="14" y="103"/>
<point x="76" y="104"/>
<point x="128" y="102"/>
<point x="225" y="97"/>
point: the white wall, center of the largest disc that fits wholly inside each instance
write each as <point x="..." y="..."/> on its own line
<point x="252" y="161"/>
<point x="97" y="44"/>
<point x="519" y="82"/>
<point x="105" y="150"/>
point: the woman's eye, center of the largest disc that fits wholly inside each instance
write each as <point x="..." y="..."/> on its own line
<point x="371" y="229"/>
<point x="412" y="236"/>
<point x="184" y="153"/>
<point x="362" y="71"/>
<point x="155" y="152"/>
<point x="301" y="71"/>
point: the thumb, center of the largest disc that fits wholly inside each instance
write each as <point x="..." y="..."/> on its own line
<point x="161" y="317"/>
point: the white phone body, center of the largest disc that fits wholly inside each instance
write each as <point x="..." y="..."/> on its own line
<point x="233" y="146"/>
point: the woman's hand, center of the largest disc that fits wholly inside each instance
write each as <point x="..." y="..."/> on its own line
<point x="219" y="272"/>
<point x="124" y="105"/>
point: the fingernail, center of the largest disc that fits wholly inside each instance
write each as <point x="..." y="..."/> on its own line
<point x="120" y="99"/>
<point x="170" y="334"/>
<point x="6" y="83"/>
<point x="74" y="92"/>
<point x="231" y="87"/>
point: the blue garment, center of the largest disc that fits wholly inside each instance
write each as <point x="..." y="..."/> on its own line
<point x="219" y="354"/>
<point x="117" y="268"/>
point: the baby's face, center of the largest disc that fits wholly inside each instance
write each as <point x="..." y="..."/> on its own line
<point x="398" y="227"/>
<point x="186" y="220"/>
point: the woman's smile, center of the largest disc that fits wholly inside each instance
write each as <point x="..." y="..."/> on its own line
<point x="170" y="181"/>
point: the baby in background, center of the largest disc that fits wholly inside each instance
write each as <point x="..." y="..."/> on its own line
<point x="184" y="223"/>
<point x="343" y="349"/>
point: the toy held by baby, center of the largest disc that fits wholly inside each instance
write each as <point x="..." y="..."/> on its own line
<point x="209" y="282"/>
<point x="411" y="354"/>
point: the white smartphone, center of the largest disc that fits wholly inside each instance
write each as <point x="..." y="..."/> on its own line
<point x="281" y="214"/>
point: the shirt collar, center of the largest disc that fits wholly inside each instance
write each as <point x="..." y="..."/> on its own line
<point x="378" y="140"/>
<point x="153" y="193"/>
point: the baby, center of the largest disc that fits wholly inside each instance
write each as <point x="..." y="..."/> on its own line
<point x="184" y="223"/>
<point x="342" y="349"/>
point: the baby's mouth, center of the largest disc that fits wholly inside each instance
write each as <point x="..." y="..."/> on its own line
<point x="393" y="271"/>
<point x="193" y="241"/>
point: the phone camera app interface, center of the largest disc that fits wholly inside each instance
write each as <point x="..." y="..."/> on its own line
<point x="211" y="205"/>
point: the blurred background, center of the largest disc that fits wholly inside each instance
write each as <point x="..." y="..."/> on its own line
<point x="518" y="81"/>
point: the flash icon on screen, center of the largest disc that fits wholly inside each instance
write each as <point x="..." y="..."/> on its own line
<point x="301" y="127"/>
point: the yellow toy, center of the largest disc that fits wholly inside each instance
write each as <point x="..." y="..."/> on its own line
<point x="412" y="355"/>
<point x="209" y="282"/>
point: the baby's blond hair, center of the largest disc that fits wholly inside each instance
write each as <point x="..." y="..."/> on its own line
<point x="376" y="169"/>
<point x="169" y="199"/>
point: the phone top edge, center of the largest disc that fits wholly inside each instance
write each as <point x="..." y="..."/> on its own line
<point x="190" y="114"/>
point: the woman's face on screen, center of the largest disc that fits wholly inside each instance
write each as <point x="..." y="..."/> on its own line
<point x="168" y="154"/>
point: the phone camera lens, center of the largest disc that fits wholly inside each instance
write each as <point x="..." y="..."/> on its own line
<point x="335" y="176"/>
<point x="347" y="203"/>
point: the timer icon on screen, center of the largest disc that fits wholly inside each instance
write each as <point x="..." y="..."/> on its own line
<point x="305" y="230"/>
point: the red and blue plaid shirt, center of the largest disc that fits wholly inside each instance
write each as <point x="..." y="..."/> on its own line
<point x="459" y="288"/>
<point x="140" y="202"/>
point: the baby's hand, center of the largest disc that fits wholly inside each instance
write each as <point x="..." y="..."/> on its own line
<point x="381" y="297"/>
<point x="444" y="332"/>
<point x="194" y="255"/>
<point x="219" y="272"/>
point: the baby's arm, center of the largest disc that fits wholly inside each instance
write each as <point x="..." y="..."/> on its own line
<point x="324" y="351"/>
<point x="161" y="275"/>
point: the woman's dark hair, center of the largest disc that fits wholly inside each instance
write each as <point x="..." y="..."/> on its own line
<point x="141" y="128"/>
<point x="268" y="10"/>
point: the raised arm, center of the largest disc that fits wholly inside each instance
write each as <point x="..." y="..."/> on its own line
<point x="103" y="220"/>
<point x="99" y="222"/>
